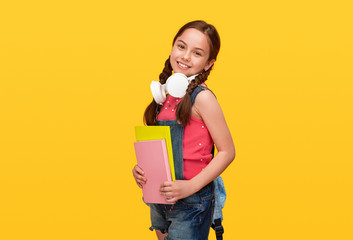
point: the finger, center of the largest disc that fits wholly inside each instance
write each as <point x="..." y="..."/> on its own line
<point x="138" y="176"/>
<point x="141" y="179"/>
<point x="167" y="184"/>
<point x="169" y="194"/>
<point x="140" y="183"/>
<point x="171" y="200"/>
<point x="165" y="189"/>
<point x="139" y="170"/>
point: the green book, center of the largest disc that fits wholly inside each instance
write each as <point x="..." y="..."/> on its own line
<point x="145" y="133"/>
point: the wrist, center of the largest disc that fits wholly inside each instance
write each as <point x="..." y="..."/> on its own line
<point x="194" y="185"/>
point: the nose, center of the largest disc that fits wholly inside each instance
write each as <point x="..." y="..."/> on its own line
<point x="186" y="56"/>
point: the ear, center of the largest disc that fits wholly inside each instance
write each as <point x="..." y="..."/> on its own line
<point x="209" y="64"/>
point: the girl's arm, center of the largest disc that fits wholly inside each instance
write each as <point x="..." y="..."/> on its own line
<point x="208" y="109"/>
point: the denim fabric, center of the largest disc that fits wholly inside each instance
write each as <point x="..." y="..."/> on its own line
<point x="220" y="198"/>
<point x="176" y="133"/>
<point x="189" y="218"/>
<point x="197" y="90"/>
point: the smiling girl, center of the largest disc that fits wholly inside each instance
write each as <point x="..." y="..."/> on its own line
<point x="197" y="123"/>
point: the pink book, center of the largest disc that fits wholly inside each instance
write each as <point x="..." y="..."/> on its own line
<point x="152" y="157"/>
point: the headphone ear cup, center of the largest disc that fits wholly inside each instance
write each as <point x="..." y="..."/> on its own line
<point x="177" y="84"/>
<point x="158" y="92"/>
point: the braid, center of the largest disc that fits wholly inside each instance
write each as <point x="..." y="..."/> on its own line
<point x="167" y="71"/>
<point x="201" y="78"/>
<point x="151" y="111"/>
<point x="183" y="111"/>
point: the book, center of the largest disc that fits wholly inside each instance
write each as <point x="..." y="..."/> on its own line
<point x="152" y="157"/>
<point x="144" y="133"/>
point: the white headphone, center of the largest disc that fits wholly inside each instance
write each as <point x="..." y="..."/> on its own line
<point x="175" y="85"/>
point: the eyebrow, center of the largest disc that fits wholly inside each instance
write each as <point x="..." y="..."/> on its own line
<point x="186" y="45"/>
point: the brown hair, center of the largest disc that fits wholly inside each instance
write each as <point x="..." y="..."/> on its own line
<point x="183" y="111"/>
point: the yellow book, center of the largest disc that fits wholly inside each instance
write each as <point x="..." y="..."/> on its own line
<point x="145" y="133"/>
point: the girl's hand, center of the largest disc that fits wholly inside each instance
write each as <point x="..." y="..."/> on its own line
<point x="179" y="189"/>
<point x="138" y="175"/>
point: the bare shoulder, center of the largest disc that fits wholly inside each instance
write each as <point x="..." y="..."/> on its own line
<point x="205" y="97"/>
<point x="206" y="104"/>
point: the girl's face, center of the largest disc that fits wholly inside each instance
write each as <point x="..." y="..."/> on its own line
<point x="190" y="53"/>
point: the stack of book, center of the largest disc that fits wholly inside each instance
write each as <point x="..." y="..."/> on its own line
<point x="154" y="154"/>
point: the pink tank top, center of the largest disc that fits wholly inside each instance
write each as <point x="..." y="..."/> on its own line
<point x="197" y="141"/>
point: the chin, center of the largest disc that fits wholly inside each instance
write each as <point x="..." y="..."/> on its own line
<point x="188" y="74"/>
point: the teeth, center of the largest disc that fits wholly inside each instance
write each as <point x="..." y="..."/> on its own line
<point x="185" y="66"/>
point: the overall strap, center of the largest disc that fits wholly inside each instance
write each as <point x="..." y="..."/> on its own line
<point x="196" y="91"/>
<point x="176" y="133"/>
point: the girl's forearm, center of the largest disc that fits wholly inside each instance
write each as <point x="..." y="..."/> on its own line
<point x="218" y="164"/>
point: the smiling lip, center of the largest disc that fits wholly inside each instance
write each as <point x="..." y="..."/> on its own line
<point x="182" y="65"/>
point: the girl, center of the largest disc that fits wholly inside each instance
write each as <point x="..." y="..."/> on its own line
<point x="196" y="122"/>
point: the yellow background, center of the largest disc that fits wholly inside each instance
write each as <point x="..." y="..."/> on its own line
<point x="74" y="81"/>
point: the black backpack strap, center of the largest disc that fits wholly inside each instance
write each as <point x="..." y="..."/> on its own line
<point x="218" y="228"/>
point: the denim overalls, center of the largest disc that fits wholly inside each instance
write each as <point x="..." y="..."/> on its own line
<point x="191" y="217"/>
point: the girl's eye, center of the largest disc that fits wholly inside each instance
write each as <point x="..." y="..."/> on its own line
<point x="181" y="46"/>
<point x="198" y="54"/>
